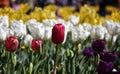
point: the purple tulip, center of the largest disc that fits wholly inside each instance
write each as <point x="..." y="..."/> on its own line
<point x="105" y="67"/>
<point x="107" y="56"/>
<point x="88" y="52"/>
<point x="118" y="71"/>
<point x="98" y="46"/>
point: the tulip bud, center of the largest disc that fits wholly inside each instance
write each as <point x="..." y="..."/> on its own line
<point x="31" y="68"/>
<point x="58" y="33"/>
<point x="14" y="60"/>
<point x="36" y="44"/>
<point x="11" y="43"/>
<point x="28" y="39"/>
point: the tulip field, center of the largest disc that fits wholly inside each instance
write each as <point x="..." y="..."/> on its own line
<point x="59" y="45"/>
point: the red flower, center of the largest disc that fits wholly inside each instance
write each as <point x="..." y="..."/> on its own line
<point x="58" y="33"/>
<point x="11" y="43"/>
<point x="36" y="44"/>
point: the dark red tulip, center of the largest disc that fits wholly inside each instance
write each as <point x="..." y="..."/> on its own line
<point x="58" y="33"/>
<point x="11" y="43"/>
<point x="36" y="43"/>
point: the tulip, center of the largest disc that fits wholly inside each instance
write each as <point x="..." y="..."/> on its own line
<point x="87" y="26"/>
<point x="48" y="32"/>
<point x="78" y="33"/>
<point x="4" y="21"/>
<point x="3" y="33"/>
<point x="18" y="28"/>
<point x="49" y="22"/>
<point x="74" y="20"/>
<point x="108" y="37"/>
<point x="11" y="43"/>
<point x="98" y="45"/>
<point x="107" y="56"/>
<point x="74" y="36"/>
<point x="105" y="68"/>
<point x="27" y="40"/>
<point x="98" y="32"/>
<point x="111" y="26"/>
<point x="58" y="33"/>
<point x="88" y="52"/>
<point x="36" y="43"/>
<point x="36" y="29"/>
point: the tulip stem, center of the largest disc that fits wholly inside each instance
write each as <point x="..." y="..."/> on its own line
<point x="8" y="67"/>
<point x="12" y="65"/>
<point x="55" y="60"/>
<point x="96" y="61"/>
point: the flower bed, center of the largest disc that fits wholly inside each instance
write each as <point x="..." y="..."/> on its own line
<point x="42" y="44"/>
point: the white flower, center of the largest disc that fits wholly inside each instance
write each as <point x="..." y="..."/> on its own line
<point x="30" y="22"/>
<point x="108" y="37"/>
<point x="114" y="70"/>
<point x="10" y="33"/>
<point x="49" y="22"/>
<point x="60" y="21"/>
<point x="74" y="20"/>
<point x="74" y="35"/>
<point x="3" y="33"/>
<point x="36" y="30"/>
<point x="4" y="21"/>
<point x="98" y="32"/>
<point x="28" y="39"/>
<point x="118" y="29"/>
<point x="83" y="35"/>
<point x="87" y="26"/>
<point x="48" y="32"/>
<point x="68" y="26"/>
<point x="111" y="26"/>
<point x="78" y="33"/>
<point x="19" y="28"/>
<point x="66" y="32"/>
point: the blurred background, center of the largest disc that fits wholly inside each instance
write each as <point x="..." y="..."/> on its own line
<point x="102" y="4"/>
<point x="42" y="3"/>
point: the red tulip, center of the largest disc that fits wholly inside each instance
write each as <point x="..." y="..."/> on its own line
<point x="11" y="43"/>
<point x="36" y="44"/>
<point x="58" y="33"/>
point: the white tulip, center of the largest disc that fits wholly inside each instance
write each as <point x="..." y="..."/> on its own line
<point x="74" y="20"/>
<point x="87" y="26"/>
<point x="98" y="32"/>
<point x="83" y="35"/>
<point x="68" y="26"/>
<point x="115" y="38"/>
<point x="28" y="39"/>
<point x="114" y="70"/>
<point x="74" y="35"/>
<point x="18" y="28"/>
<point x="118" y="29"/>
<point x="36" y="30"/>
<point x="4" y="21"/>
<point x="66" y="32"/>
<point x="111" y="27"/>
<point x="31" y="22"/>
<point x="10" y="33"/>
<point x="78" y="33"/>
<point x="108" y="37"/>
<point x="48" y="32"/>
<point x="3" y="33"/>
<point x="60" y="21"/>
<point x="49" y="22"/>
